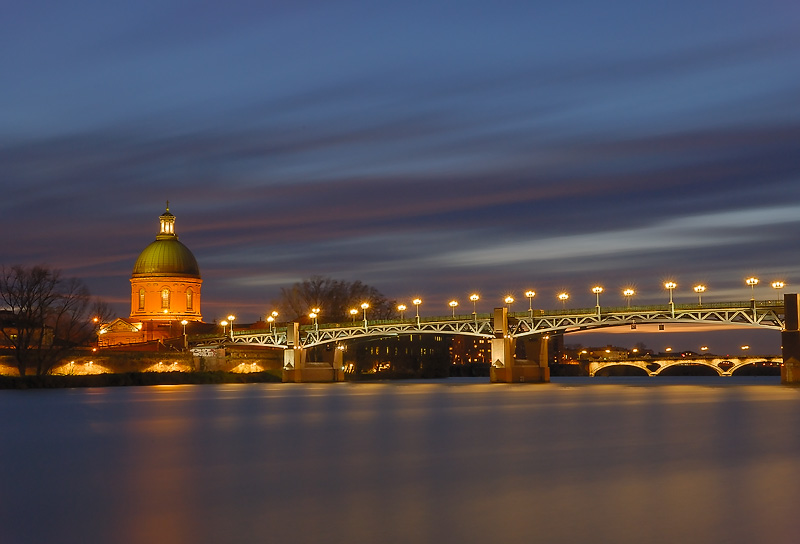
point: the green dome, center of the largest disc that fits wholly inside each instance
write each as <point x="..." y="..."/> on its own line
<point x="166" y="258"/>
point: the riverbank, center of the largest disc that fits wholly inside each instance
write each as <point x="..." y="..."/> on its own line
<point x="135" y="378"/>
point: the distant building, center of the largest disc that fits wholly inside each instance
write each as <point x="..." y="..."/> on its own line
<point x="165" y="290"/>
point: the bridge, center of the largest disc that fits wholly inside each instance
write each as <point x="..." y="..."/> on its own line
<point x="723" y="366"/>
<point x="505" y="329"/>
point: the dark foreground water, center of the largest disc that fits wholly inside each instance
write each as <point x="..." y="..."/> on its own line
<point x="652" y="460"/>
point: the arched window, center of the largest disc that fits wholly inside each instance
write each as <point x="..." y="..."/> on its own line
<point x="165" y="298"/>
<point x="189" y="300"/>
<point x="141" y="299"/>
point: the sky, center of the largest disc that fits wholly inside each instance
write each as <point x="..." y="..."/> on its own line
<point x="426" y="148"/>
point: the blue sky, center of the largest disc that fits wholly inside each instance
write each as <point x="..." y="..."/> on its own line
<point x="427" y="148"/>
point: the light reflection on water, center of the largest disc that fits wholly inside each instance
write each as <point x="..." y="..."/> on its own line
<point x="577" y="460"/>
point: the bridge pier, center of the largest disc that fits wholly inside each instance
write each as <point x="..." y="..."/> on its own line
<point x="790" y="340"/>
<point x="505" y="368"/>
<point x="297" y="368"/>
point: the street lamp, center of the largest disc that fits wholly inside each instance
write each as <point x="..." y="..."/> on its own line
<point x="597" y="290"/>
<point x="474" y="298"/>
<point x="313" y="315"/>
<point x="416" y="302"/>
<point x="778" y="285"/>
<point x="563" y="297"/>
<point x="230" y="320"/>
<point x="364" y="306"/>
<point x="530" y="294"/>
<point x="700" y="289"/>
<point x="509" y="300"/>
<point x="453" y="304"/>
<point x="628" y="293"/>
<point x="184" y="323"/>
<point x="224" y="325"/>
<point x="270" y="320"/>
<point x="401" y="308"/>
<point x="671" y="285"/>
<point x="354" y="313"/>
<point x="752" y="282"/>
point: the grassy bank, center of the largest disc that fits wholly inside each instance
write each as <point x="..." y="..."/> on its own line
<point x="134" y="378"/>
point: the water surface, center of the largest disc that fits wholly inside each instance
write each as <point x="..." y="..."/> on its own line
<point x="578" y="460"/>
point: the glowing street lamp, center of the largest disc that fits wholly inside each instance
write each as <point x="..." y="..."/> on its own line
<point x="270" y="320"/>
<point x="230" y="320"/>
<point x="509" y="300"/>
<point x="184" y="323"/>
<point x="364" y="306"/>
<point x="401" y="308"/>
<point x="778" y="285"/>
<point x="453" y="304"/>
<point x="752" y="282"/>
<point x="530" y="294"/>
<point x="474" y="298"/>
<point x="416" y="302"/>
<point x="699" y="289"/>
<point x="224" y="325"/>
<point x="563" y="297"/>
<point x="353" y="313"/>
<point x="628" y="293"/>
<point x="313" y="315"/>
<point x="745" y="347"/>
<point x="597" y="290"/>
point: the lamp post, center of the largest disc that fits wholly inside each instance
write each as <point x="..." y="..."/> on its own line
<point x="224" y="325"/>
<point x="313" y="315"/>
<point x="416" y="302"/>
<point x="353" y="313"/>
<point x="474" y="298"/>
<point x="700" y="289"/>
<point x="671" y="285"/>
<point x="230" y="320"/>
<point x="185" y="342"/>
<point x="401" y="308"/>
<point x="530" y="294"/>
<point x="509" y="300"/>
<point x="628" y="293"/>
<point x="778" y="285"/>
<point x="270" y="320"/>
<point x="563" y="297"/>
<point x="752" y="282"/>
<point x="597" y="290"/>
<point x="364" y="306"/>
<point x="453" y="304"/>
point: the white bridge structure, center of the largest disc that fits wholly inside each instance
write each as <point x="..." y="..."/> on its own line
<point x="504" y="329"/>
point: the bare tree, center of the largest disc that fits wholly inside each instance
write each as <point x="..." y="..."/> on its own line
<point x="46" y="317"/>
<point x="334" y="298"/>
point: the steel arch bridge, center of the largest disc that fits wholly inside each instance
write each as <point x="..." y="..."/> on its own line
<point x="766" y="314"/>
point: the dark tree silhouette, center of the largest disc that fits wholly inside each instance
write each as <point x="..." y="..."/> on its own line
<point x="45" y="316"/>
<point x="334" y="298"/>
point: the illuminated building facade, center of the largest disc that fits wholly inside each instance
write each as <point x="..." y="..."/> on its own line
<point x="165" y="290"/>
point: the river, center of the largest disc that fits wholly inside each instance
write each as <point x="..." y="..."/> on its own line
<point x="618" y="460"/>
